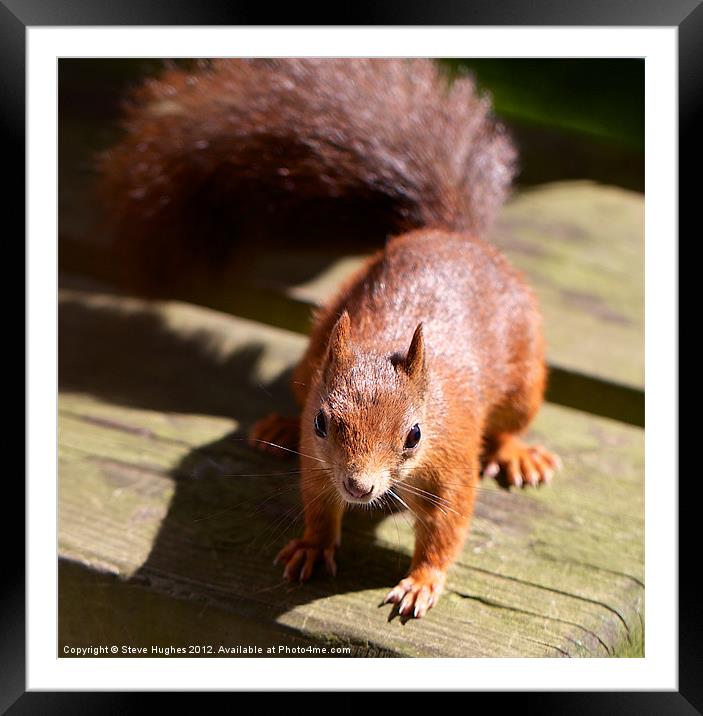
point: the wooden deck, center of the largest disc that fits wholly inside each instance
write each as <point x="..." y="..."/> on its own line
<point x="168" y="523"/>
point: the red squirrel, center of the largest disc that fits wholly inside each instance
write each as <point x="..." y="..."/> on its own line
<point x="428" y="364"/>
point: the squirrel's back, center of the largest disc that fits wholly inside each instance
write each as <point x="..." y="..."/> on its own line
<point x="240" y="147"/>
<point x="479" y="316"/>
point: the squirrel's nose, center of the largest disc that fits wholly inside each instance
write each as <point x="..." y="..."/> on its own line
<point x="357" y="488"/>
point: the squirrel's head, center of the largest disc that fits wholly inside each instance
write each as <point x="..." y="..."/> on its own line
<point x="366" y="417"/>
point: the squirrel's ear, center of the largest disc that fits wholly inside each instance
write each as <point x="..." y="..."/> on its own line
<point x="338" y="346"/>
<point x="415" y="360"/>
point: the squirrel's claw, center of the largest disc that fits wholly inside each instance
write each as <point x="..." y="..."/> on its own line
<point x="414" y="596"/>
<point x="300" y="558"/>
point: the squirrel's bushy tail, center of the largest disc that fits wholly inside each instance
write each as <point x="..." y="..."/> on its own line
<point x="209" y="153"/>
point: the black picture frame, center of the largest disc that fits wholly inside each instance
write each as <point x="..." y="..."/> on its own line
<point x="17" y="15"/>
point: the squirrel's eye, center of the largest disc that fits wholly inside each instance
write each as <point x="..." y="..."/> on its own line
<point x="320" y="424"/>
<point x="413" y="437"/>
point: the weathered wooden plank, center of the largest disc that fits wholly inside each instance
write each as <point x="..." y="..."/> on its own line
<point x="158" y="488"/>
<point x="101" y="608"/>
<point x="582" y="245"/>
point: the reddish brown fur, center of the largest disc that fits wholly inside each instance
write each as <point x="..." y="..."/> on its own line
<point x="237" y="149"/>
<point x="436" y="330"/>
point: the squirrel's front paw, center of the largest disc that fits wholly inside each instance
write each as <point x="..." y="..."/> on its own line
<point x="300" y="557"/>
<point x="521" y="464"/>
<point x="417" y="593"/>
<point x="276" y="435"/>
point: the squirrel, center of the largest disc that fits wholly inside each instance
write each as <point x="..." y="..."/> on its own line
<point x="424" y="370"/>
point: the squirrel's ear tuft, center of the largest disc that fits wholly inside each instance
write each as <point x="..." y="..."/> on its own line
<point x="415" y="359"/>
<point x="338" y="346"/>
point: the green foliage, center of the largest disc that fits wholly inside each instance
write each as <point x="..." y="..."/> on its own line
<point x="599" y="97"/>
